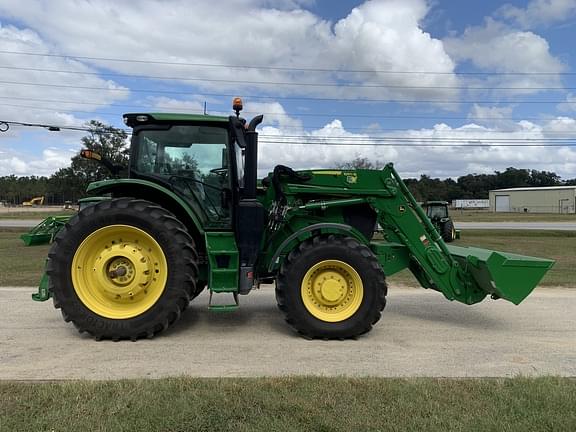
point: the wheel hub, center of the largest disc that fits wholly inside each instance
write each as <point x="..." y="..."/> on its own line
<point x="331" y="287"/>
<point x="123" y="271"/>
<point x="332" y="290"/>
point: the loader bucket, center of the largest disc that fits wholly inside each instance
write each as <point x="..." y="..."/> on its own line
<point x="36" y="239"/>
<point x="44" y="232"/>
<point x="503" y="275"/>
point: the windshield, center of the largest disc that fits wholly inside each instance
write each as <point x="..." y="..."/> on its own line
<point x="437" y="212"/>
<point x="192" y="158"/>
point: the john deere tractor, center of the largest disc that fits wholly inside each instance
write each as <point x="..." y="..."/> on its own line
<point x="193" y="216"/>
<point x="437" y="212"/>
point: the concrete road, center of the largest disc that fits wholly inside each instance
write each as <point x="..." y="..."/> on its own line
<point x="543" y="226"/>
<point x="420" y="334"/>
<point x="19" y="223"/>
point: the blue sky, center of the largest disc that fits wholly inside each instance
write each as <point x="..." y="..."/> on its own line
<point x="442" y="88"/>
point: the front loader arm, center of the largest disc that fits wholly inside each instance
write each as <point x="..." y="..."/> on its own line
<point x="460" y="273"/>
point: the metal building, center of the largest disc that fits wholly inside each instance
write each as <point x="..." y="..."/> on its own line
<point x="550" y="199"/>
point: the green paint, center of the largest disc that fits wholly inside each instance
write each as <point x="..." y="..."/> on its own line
<point x="410" y="239"/>
<point x="223" y="261"/>
<point x="109" y="186"/>
<point x="45" y="231"/>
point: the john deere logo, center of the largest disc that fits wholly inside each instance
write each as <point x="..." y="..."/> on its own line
<point x="351" y="178"/>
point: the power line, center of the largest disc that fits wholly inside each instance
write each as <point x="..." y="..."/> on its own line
<point x="277" y="83"/>
<point x="421" y="145"/>
<point x="292" y="115"/>
<point x="350" y="141"/>
<point x="307" y="98"/>
<point x="311" y="137"/>
<point x="282" y="68"/>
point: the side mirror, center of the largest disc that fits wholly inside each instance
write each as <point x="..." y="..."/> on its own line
<point x="89" y="154"/>
<point x="92" y="155"/>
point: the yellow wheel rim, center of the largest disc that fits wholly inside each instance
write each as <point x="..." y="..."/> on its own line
<point x="119" y="272"/>
<point x="332" y="291"/>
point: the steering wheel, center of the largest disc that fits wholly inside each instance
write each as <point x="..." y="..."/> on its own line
<point x="219" y="171"/>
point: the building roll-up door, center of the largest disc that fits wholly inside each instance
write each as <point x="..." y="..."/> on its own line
<point x="502" y="203"/>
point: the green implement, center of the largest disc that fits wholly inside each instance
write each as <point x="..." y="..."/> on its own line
<point x="501" y="274"/>
<point x="45" y="231"/>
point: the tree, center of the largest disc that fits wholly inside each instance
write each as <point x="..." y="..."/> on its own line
<point x="543" y="178"/>
<point x="361" y="163"/>
<point x="110" y="143"/>
<point x="512" y="177"/>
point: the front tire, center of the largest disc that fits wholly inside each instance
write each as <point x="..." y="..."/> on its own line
<point x="122" y="269"/>
<point x="331" y="288"/>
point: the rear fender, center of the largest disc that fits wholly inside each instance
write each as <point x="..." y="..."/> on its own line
<point x="292" y="241"/>
<point x="158" y="194"/>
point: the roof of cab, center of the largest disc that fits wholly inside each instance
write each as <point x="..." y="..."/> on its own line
<point x="130" y="118"/>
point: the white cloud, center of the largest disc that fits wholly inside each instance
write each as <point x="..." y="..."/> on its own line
<point x="24" y="102"/>
<point x="459" y="154"/>
<point x="570" y="104"/>
<point x="37" y="153"/>
<point x="539" y="12"/>
<point x="493" y="116"/>
<point x="375" y="36"/>
<point x="166" y="104"/>
<point x="495" y="47"/>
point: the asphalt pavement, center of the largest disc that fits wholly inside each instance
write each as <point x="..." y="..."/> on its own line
<point x="420" y="334"/>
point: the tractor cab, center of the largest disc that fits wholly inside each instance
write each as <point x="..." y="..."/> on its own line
<point x="208" y="161"/>
<point x="437" y="212"/>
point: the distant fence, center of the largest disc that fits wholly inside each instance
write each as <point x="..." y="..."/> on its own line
<point x="471" y="204"/>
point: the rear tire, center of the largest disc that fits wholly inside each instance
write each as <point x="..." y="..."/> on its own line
<point x="123" y="269"/>
<point x="331" y="288"/>
<point x="448" y="232"/>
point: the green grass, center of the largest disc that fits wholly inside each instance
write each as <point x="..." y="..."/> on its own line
<point x="20" y="265"/>
<point x="292" y="404"/>
<point x="485" y="216"/>
<point x="558" y="245"/>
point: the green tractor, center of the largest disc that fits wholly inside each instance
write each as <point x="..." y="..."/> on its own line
<point x="437" y="212"/>
<point x="193" y="216"/>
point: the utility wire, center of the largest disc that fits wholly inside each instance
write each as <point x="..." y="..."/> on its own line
<point x="346" y="141"/>
<point x="306" y="98"/>
<point x="117" y="115"/>
<point x="282" y="68"/>
<point x="292" y="115"/>
<point x="281" y="83"/>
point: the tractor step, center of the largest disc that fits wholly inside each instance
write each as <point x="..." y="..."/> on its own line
<point x="223" y="307"/>
<point x="223" y="259"/>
